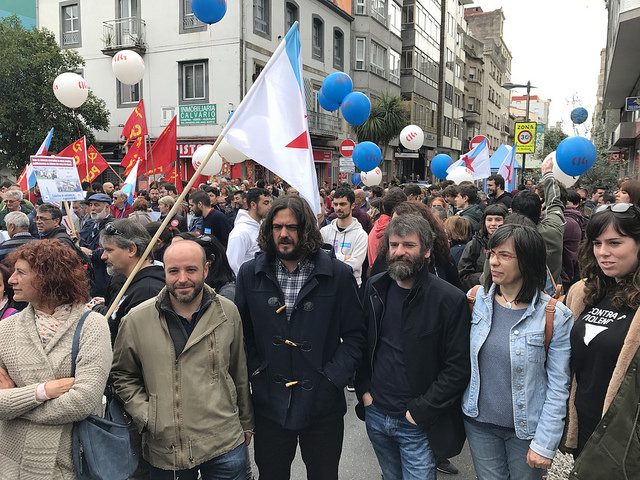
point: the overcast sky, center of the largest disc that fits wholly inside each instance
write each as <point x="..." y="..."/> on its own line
<point x="556" y="45"/>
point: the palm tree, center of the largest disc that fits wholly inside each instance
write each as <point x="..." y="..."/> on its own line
<point x="389" y="115"/>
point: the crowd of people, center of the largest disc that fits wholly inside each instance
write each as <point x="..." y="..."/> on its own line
<point x="508" y="320"/>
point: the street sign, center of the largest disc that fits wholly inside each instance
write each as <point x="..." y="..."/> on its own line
<point x="346" y="147"/>
<point x="525" y="137"/>
<point x="346" y="162"/>
<point x="477" y="140"/>
<point x="632" y="104"/>
<point x="196" y="114"/>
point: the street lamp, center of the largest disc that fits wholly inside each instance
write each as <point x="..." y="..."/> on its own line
<point x="528" y="86"/>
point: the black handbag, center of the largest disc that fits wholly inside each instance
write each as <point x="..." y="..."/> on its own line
<point x="101" y="446"/>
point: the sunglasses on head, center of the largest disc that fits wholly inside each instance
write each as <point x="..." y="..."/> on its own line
<point x="621" y="207"/>
<point x="111" y="230"/>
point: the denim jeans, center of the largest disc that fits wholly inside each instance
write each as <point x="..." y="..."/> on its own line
<point x="402" y="448"/>
<point x="499" y="454"/>
<point x="229" y="466"/>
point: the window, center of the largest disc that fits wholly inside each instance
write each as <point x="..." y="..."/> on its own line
<point x="361" y="8"/>
<point x="447" y="127"/>
<point x="456" y="130"/>
<point x="290" y="15"/>
<point x="378" y="55"/>
<point x="261" y="17"/>
<point x="458" y="70"/>
<point x="395" y="14"/>
<point x="189" y="23"/>
<point x="70" y="25"/>
<point x="128" y="94"/>
<point x="379" y="10"/>
<point x="394" y="67"/>
<point x="457" y="100"/>
<point x="194" y="82"/>
<point x="338" y="49"/>
<point x="448" y="92"/>
<point x="360" y="54"/>
<point x="317" y="39"/>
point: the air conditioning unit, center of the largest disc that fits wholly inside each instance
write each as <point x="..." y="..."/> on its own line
<point x="167" y="115"/>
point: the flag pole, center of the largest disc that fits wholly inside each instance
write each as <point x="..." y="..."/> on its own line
<point x="161" y="228"/>
<point x="121" y="180"/>
<point x="73" y="227"/>
<point x="153" y="168"/>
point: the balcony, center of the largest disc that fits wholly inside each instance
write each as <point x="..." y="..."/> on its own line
<point x="124" y="33"/>
<point x="625" y="134"/>
<point x="323" y="124"/>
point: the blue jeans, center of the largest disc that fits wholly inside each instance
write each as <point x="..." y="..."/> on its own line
<point x="228" y="466"/>
<point x="402" y="448"/>
<point x="499" y="454"/>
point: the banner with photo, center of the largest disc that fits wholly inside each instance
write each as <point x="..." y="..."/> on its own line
<point x="57" y="178"/>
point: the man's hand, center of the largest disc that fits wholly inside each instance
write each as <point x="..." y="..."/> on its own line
<point x="547" y="166"/>
<point x="367" y="399"/>
<point x="86" y="250"/>
<point x="410" y="418"/>
<point x="5" y="380"/>
<point x="55" y="388"/>
<point x="537" y="461"/>
<point x="247" y="438"/>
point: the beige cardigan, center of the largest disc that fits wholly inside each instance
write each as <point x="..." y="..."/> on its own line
<point x="575" y="302"/>
<point x="35" y="438"/>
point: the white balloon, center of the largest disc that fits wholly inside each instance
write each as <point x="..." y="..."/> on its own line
<point x="70" y="89"/>
<point x="128" y="67"/>
<point x="372" y="178"/>
<point x="460" y="174"/>
<point x="558" y="174"/>
<point x="230" y="154"/>
<point x="213" y="166"/>
<point x="412" y="137"/>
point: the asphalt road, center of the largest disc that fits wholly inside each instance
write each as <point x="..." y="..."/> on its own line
<point x="358" y="462"/>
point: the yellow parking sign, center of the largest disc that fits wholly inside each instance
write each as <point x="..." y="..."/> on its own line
<point x="526" y="137"/>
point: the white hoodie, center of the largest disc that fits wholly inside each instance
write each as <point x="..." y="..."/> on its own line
<point x="350" y="243"/>
<point x="243" y="240"/>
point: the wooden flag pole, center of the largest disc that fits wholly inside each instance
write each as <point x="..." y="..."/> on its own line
<point x="121" y="180"/>
<point x="164" y="224"/>
<point x="153" y="168"/>
<point x="73" y="227"/>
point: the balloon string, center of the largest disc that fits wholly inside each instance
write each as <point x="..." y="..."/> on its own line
<point x="75" y="117"/>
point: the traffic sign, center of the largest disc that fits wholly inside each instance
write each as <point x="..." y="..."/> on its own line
<point x="346" y="147"/>
<point x="477" y="140"/>
<point x="525" y="137"/>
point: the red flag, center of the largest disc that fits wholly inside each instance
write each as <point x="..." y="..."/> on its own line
<point x="97" y="164"/>
<point x="78" y="151"/>
<point x="136" y="125"/>
<point x="174" y="177"/>
<point x="163" y="151"/>
<point x="137" y="151"/>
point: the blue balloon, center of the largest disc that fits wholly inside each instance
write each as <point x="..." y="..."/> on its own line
<point x="337" y="86"/>
<point x="355" y="179"/>
<point x="575" y="155"/>
<point x="230" y="115"/>
<point x="366" y="156"/>
<point x="579" y="115"/>
<point x="327" y="104"/>
<point x="209" y="11"/>
<point x="356" y="108"/>
<point x="439" y="165"/>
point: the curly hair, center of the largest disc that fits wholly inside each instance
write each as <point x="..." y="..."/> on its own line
<point x="308" y="232"/>
<point x="440" y="249"/>
<point x="60" y="277"/>
<point x="598" y="285"/>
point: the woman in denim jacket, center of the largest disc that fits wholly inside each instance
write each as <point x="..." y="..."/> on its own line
<point x="515" y="403"/>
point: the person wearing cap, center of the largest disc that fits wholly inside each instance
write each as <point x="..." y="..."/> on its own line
<point x="90" y="240"/>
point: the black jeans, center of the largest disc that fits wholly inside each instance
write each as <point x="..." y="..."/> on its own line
<point x="320" y="445"/>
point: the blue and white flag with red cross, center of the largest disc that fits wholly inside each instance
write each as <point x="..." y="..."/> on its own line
<point x="477" y="160"/>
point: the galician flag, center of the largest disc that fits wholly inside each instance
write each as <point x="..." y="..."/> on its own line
<point x="130" y="183"/>
<point x="27" y="179"/>
<point x="506" y="169"/>
<point x="270" y="124"/>
<point x="477" y="160"/>
<point x="44" y="148"/>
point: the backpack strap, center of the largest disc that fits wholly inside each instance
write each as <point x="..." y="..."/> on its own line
<point x="75" y="346"/>
<point x="550" y="310"/>
<point x="471" y="298"/>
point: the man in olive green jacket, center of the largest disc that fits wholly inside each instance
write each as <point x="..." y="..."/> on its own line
<point x="181" y="372"/>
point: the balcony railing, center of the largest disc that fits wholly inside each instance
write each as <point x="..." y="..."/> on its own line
<point x="71" y="38"/>
<point x="130" y="32"/>
<point x="190" y="21"/>
<point x="323" y="124"/>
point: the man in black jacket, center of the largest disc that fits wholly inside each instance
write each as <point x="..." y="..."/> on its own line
<point x="417" y="364"/>
<point x="48" y="218"/>
<point x="304" y="334"/>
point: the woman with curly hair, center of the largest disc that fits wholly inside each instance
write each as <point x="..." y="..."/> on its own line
<point x="604" y="408"/>
<point x="39" y="401"/>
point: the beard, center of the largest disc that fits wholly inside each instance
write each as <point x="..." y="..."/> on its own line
<point x="186" y="298"/>
<point x="404" y="268"/>
<point x="111" y="271"/>
<point x="294" y="254"/>
<point x="99" y="215"/>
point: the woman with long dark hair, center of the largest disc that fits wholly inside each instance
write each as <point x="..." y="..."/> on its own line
<point x="604" y="408"/>
<point x="6" y="294"/>
<point x="515" y="403"/>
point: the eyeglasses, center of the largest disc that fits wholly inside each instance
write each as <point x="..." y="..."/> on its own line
<point x="111" y="230"/>
<point x="292" y="228"/>
<point x="43" y="219"/>
<point x="621" y="207"/>
<point x="503" y="257"/>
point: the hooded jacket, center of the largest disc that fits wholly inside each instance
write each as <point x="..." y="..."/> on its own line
<point x="349" y="245"/>
<point x="243" y="240"/>
<point x="473" y="213"/>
